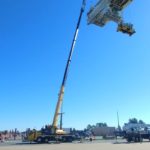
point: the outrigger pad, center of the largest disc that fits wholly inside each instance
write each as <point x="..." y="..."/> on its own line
<point x="126" y="28"/>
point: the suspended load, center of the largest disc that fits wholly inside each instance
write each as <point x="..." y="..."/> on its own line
<point x="110" y="10"/>
<point x="126" y="28"/>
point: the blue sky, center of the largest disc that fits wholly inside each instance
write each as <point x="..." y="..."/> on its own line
<point x="109" y="72"/>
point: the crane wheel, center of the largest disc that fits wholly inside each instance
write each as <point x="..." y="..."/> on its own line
<point x="46" y="140"/>
<point x="39" y="140"/>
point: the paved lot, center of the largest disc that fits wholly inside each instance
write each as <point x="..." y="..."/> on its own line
<point x="97" y="145"/>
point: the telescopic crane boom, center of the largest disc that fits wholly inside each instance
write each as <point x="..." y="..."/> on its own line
<point x="62" y="88"/>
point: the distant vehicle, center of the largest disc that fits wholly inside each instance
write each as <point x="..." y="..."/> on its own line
<point x="110" y="10"/>
<point x="137" y="135"/>
<point x="135" y="132"/>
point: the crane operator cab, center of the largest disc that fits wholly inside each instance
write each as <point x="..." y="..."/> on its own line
<point x="126" y="28"/>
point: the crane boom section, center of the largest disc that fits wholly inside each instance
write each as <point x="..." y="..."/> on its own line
<point x="62" y="89"/>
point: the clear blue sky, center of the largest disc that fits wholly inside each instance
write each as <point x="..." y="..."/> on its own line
<point x="109" y="71"/>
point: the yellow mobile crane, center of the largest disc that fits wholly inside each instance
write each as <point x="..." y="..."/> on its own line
<point x="52" y="133"/>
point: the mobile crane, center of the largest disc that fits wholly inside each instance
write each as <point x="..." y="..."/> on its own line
<point x="51" y="132"/>
<point x="100" y="14"/>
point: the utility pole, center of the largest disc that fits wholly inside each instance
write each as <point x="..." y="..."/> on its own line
<point x="118" y="121"/>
